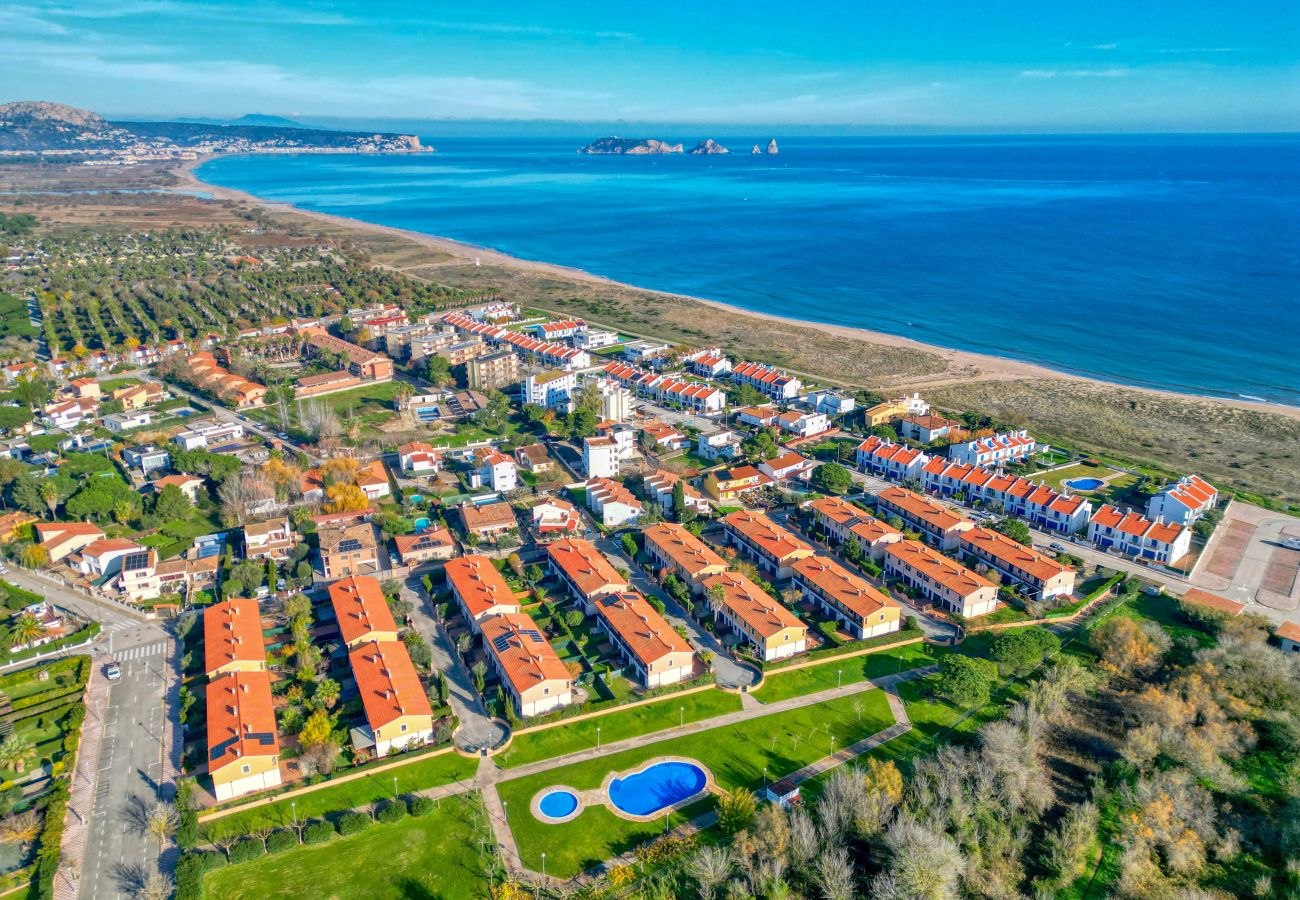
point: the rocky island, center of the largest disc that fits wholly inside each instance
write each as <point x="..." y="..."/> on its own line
<point x="631" y="146"/>
<point x="708" y="147"/>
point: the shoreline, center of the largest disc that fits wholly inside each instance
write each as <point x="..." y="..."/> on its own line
<point x="959" y="363"/>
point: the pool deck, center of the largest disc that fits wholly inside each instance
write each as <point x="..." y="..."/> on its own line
<point x="489" y="775"/>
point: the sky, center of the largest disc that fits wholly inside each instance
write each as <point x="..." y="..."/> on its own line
<point x="1046" y="65"/>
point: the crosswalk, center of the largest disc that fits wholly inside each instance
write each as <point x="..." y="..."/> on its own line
<point x="140" y="652"/>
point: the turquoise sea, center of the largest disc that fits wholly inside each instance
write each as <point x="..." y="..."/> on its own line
<point x="1164" y="261"/>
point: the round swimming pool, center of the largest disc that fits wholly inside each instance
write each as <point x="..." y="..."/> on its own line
<point x="557" y="804"/>
<point x="1084" y="484"/>
<point x="656" y="787"/>
<point x="421" y="525"/>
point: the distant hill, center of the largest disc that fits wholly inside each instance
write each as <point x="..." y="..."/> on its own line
<point x="250" y="119"/>
<point x="33" y="126"/>
<point x="630" y="146"/>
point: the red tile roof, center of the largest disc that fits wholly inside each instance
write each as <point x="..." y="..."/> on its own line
<point x="842" y="586"/>
<point x="585" y="566"/>
<point x="360" y="607"/>
<point x="765" y="534"/>
<point x="387" y="680"/>
<point x="523" y="653"/>
<point x="232" y="632"/>
<point x="241" y="720"/>
<point x="641" y="627"/>
<point x="479" y="584"/>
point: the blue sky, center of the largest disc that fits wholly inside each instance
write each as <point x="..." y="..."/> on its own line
<point x="1047" y="65"/>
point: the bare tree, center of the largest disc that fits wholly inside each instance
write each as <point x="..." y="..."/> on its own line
<point x="319" y="420"/>
<point x="834" y="874"/>
<point x="161" y="821"/>
<point x="804" y="840"/>
<point x="710" y="868"/>
<point x="924" y="864"/>
<point x="157" y="886"/>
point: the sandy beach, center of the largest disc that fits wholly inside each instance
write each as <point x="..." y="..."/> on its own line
<point x="960" y="366"/>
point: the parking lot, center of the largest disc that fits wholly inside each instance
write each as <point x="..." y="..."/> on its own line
<point x="1247" y="561"/>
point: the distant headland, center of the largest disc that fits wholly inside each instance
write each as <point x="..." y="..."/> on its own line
<point x="619" y="146"/>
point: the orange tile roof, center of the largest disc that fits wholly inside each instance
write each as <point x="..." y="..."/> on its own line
<point x="639" y="624"/>
<point x="683" y="548"/>
<point x="360" y="607"/>
<point x="434" y="538"/>
<point x="842" y="586"/>
<point x="1289" y="630"/>
<point x="524" y="654"/>
<point x="765" y="534"/>
<point x="241" y="720"/>
<point x="1013" y="553"/>
<point x="585" y="566"/>
<point x="485" y="516"/>
<point x="752" y="605"/>
<point x="232" y="632"/>
<point x="1213" y="601"/>
<point x="921" y="507"/>
<point x="479" y="584"/>
<point x="837" y="510"/>
<point x="1136" y="524"/>
<point x="871" y="529"/>
<point x="387" y="680"/>
<point x="940" y="569"/>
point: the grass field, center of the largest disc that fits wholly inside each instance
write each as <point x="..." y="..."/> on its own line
<point x="438" y="855"/>
<point x="736" y="754"/>
<point x="573" y="736"/>
<point x="424" y="773"/>
<point x="782" y="685"/>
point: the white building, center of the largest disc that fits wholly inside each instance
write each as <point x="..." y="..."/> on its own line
<point x="418" y="458"/>
<point x="718" y="444"/>
<point x="600" y="457"/>
<point x="896" y="462"/>
<point x="995" y="450"/>
<point x="1132" y="534"/>
<point x="803" y="424"/>
<point x="209" y="436"/>
<point x="552" y="390"/>
<point x="767" y="381"/>
<point x="1184" y="502"/>
<point x="830" y="403"/>
<point x="497" y="469"/>
<point x="708" y="363"/>
<point x="612" y="503"/>
<point x="594" y="339"/>
<point x="128" y="421"/>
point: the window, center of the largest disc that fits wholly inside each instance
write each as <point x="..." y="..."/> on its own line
<point x="546" y="690"/>
<point x="246" y="768"/>
<point x="403" y="727"/>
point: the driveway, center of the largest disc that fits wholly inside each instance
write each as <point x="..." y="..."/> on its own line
<point x="477" y="728"/>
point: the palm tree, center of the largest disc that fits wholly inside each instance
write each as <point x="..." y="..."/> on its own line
<point x="50" y="494"/>
<point x="27" y="630"/>
<point x="15" y="751"/>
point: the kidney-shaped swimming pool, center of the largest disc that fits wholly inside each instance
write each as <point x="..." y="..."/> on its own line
<point x="656" y="787"/>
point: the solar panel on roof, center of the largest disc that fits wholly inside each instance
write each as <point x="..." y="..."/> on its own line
<point x="135" y="561"/>
<point x="349" y="545"/>
<point x="532" y="635"/>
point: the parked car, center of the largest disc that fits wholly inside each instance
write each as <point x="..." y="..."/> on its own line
<point x="1291" y="543"/>
<point x="1057" y="547"/>
<point x="113" y="671"/>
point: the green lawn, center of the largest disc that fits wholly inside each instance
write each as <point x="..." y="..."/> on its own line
<point x="1164" y="612"/>
<point x="1118" y="484"/>
<point x="782" y="685"/>
<point x="438" y="855"/>
<point x="108" y="385"/>
<point x="425" y="773"/>
<point x="736" y="754"/>
<point x="616" y="726"/>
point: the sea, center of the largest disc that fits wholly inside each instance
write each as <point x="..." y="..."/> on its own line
<point x="1161" y="261"/>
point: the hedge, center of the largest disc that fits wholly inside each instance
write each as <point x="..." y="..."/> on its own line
<point x="53" y="667"/>
<point x="74" y="639"/>
<point x="248" y="848"/>
<point x="421" y="806"/>
<point x="393" y="812"/>
<point x="318" y="832"/>
<point x="353" y="822"/>
<point x="51" y="837"/>
<point x="280" y="840"/>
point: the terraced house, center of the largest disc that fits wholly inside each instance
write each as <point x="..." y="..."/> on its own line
<point x="533" y="676"/>
<point x="1013" y="495"/>
<point x="857" y="607"/>
<point x="361" y="611"/>
<point x="885" y="459"/>
<point x="940" y="525"/>
<point x="243" y="750"/>
<point x="656" y="653"/>
<point x="1041" y="577"/>
<point x="232" y="637"/>
<point x="772" y="630"/>
<point x="398" y="714"/>
<point x="947" y="583"/>
<point x="773" y="549"/>
<point x="584" y="570"/>
<point x="1134" y="534"/>
<point x="675" y="550"/>
<point x="479" y="589"/>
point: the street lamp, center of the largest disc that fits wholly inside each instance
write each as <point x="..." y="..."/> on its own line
<point x="294" y="805"/>
<point x="543" y="863"/>
<point x="597" y="737"/>
<point x="839" y="678"/>
<point x="682" y="719"/>
<point x="764" y="777"/>
<point x="394" y="787"/>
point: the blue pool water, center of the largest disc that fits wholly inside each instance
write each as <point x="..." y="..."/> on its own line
<point x="416" y="498"/>
<point x="659" y="786"/>
<point x="421" y="525"/>
<point x="558" y="804"/>
<point x="1084" y="484"/>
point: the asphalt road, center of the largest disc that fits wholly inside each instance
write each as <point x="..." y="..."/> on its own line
<point x="129" y="780"/>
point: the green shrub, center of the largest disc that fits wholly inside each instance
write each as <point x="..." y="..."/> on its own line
<point x="190" y="869"/>
<point x="318" y="832"/>
<point x="421" y="806"/>
<point x="281" y="840"/>
<point x="187" y="829"/>
<point x="353" y="822"/>
<point x="247" y="849"/>
<point x="393" y="812"/>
